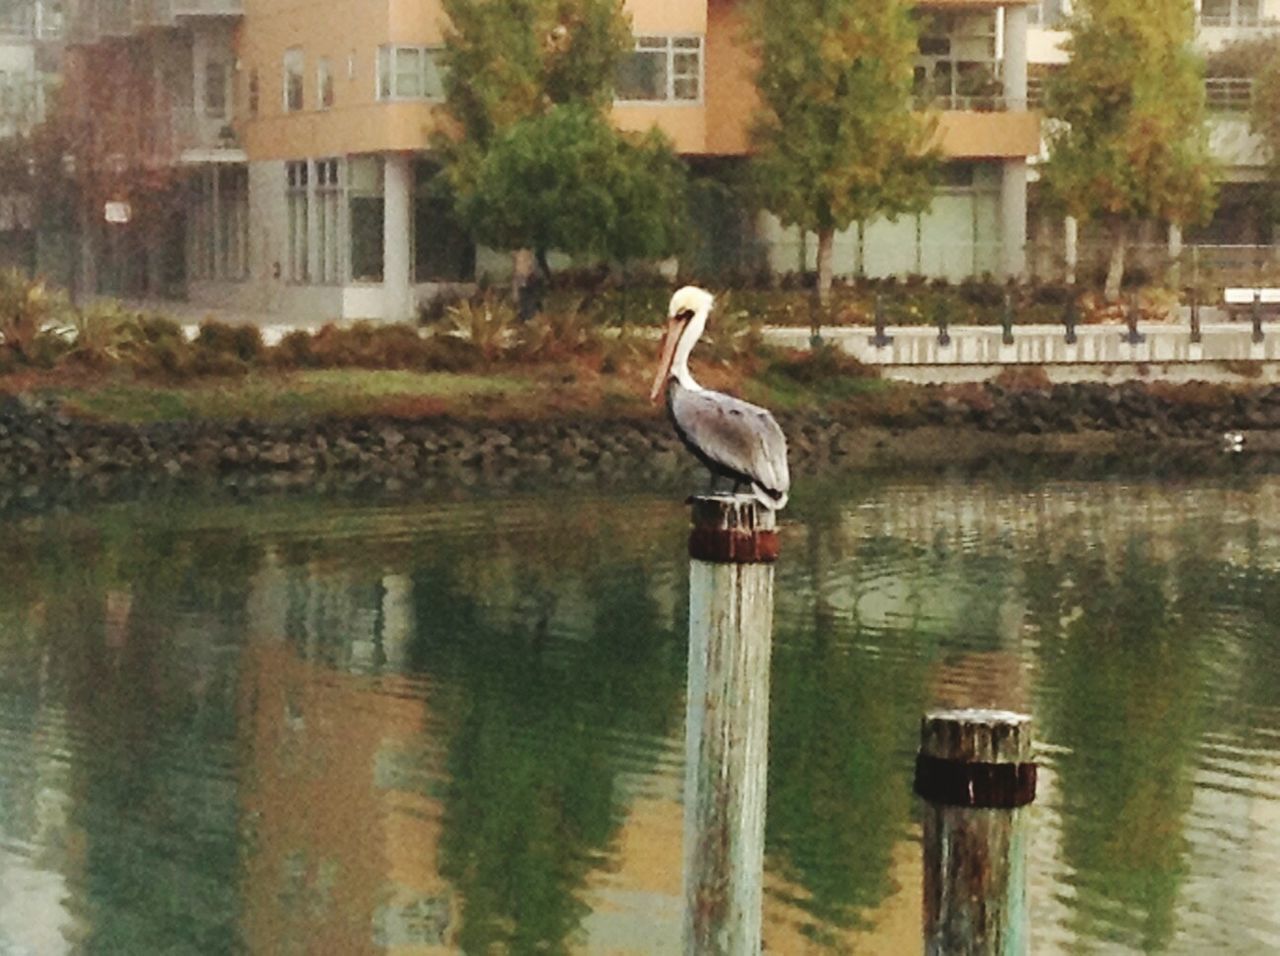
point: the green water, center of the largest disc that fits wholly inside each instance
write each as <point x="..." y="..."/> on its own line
<point x="295" y="725"/>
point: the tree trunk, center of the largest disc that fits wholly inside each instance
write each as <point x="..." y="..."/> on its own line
<point x="1115" y="268"/>
<point x="826" y="246"/>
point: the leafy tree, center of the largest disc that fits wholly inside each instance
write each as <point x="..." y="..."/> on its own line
<point x="835" y="136"/>
<point x="1128" y="140"/>
<point x="535" y="165"/>
<point x="567" y="180"/>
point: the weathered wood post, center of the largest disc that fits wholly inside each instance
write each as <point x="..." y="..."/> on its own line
<point x="975" y="774"/>
<point x="732" y="547"/>
<point x="881" y="338"/>
<point x="1194" y="294"/>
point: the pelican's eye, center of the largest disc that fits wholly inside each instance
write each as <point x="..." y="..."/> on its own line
<point x="684" y="315"/>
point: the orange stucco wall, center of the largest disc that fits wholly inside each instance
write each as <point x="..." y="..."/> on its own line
<point x="968" y="135"/>
<point x="350" y="32"/>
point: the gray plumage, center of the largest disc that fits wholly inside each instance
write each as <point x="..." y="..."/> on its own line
<point x="733" y="438"/>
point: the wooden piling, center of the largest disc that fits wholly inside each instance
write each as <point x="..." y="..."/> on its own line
<point x="975" y="774"/>
<point x="732" y="546"/>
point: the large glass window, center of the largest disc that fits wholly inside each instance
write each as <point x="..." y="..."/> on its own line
<point x="661" y="69"/>
<point x="218" y="223"/>
<point x="364" y="190"/>
<point x="294" y="64"/>
<point x="297" y="180"/>
<point x="328" y="205"/>
<point x="410" y="73"/>
<point x="442" y="249"/>
<point x="956" y="65"/>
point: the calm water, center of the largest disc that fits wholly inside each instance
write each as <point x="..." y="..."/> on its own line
<point x="305" y="726"/>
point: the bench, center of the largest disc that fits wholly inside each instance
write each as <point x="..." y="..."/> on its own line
<point x="1252" y="299"/>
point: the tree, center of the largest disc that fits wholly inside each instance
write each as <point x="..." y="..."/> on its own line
<point x="836" y="139"/>
<point x="566" y="180"/>
<point x="533" y="162"/>
<point x="1128" y="141"/>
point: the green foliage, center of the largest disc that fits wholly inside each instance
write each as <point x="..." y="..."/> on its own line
<point x="28" y="311"/>
<point x="486" y="322"/>
<point x="508" y="60"/>
<point x="566" y="180"/>
<point x="836" y="137"/>
<point x="1127" y="138"/>
<point x="242" y="341"/>
<point x="104" y="334"/>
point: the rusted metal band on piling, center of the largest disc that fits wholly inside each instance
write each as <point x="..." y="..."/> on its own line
<point x="732" y="529"/>
<point x="962" y="783"/>
<point x="730" y="546"/>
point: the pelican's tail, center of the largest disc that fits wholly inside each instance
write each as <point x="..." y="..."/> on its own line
<point x="773" y="500"/>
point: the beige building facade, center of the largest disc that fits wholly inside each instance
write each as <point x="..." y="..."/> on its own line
<point x="305" y="128"/>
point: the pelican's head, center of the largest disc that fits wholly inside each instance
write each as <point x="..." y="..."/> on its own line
<point x="686" y="318"/>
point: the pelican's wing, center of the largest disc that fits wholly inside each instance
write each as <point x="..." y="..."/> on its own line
<point x="743" y="437"/>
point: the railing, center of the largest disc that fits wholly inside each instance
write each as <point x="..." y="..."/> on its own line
<point x="975" y="104"/>
<point x="1229" y="94"/>
<point x="206" y="8"/>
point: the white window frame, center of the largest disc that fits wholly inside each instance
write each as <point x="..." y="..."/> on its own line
<point x="325" y="93"/>
<point x="295" y="64"/>
<point x="665" y="43"/>
<point x="385" y="73"/>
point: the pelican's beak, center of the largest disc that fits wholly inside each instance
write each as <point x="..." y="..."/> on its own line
<point x="669" y="341"/>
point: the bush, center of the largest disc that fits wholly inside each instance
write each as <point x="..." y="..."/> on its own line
<point x="105" y="334"/>
<point x="27" y="313"/>
<point x="243" y="342"/>
<point x="818" y="365"/>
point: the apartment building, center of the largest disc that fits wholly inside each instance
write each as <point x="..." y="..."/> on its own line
<point x="303" y="130"/>
<point x="30" y="41"/>
<point x="1221" y="26"/>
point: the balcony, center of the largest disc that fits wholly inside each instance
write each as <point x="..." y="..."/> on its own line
<point x="181" y="131"/>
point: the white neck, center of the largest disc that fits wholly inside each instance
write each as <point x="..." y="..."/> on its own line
<point x="680" y="363"/>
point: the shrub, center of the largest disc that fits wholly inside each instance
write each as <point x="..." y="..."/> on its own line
<point x="243" y="342"/>
<point x="818" y="365"/>
<point x="27" y="312"/>
<point x="105" y="334"/>
<point x="487" y="322"/>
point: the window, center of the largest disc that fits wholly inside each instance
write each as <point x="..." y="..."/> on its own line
<point x="299" y="266"/>
<point x="364" y="185"/>
<point x="324" y="83"/>
<point x="442" y="249"/>
<point x="293" y="67"/>
<point x="253" y="91"/>
<point x="328" y="203"/>
<point x="1229" y="94"/>
<point x="1228" y="13"/>
<point x="218" y="224"/>
<point x="662" y="69"/>
<point x="956" y="65"/>
<point x="409" y="73"/>
<point x="215" y="89"/>
<point x="1047" y="13"/>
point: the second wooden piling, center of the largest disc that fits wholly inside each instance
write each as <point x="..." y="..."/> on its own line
<point x="975" y="774"/>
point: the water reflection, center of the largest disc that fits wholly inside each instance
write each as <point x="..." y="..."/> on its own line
<point x="305" y="726"/>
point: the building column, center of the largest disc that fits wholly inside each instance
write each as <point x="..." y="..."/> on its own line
<point x="397" y="227"/>
<point x="1015" y="56"/>
<point x="1013" y="219"/>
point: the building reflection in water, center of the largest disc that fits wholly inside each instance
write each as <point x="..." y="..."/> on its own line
<point x="457" y="727"/>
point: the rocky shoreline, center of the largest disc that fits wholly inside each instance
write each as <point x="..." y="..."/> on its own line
<point x="40" y="444"/>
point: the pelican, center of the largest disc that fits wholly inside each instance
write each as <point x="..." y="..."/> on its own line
<point x="733" y="438"/>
